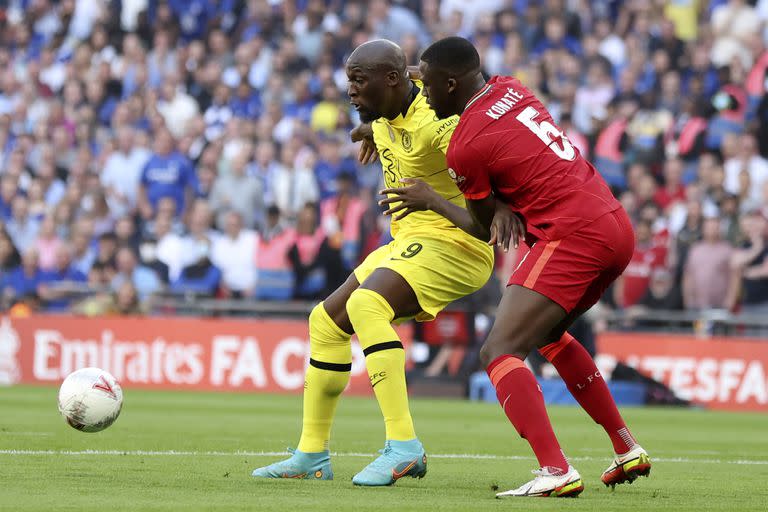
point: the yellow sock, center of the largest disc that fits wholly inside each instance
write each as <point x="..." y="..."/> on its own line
<point x="371" y="316"/>
<point x="330" y="361"/>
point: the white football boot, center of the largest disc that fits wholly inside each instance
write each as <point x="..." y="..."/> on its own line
<point x="546" y="485"/>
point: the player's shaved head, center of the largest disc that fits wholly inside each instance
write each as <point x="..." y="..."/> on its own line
<point x="379" y="55"/>
<point x="378" y="80"/>
<point x="454" y="55"/>
<point x="451" y="74"/>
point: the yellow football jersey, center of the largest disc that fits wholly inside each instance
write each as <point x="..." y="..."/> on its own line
<point x="414" y="146"/>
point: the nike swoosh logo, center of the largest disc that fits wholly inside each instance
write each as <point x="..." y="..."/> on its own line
<point x="373" y="384"/>
<point x="295" y="475"/>
<point x="402" y="473"/>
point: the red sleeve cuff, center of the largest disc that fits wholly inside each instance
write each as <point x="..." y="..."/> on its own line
<point x="477" y="195"/>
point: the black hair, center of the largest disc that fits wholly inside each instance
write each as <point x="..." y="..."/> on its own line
<point x="455" y="55"/>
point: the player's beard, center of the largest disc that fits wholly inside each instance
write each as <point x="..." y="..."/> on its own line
<point x="368" y="116"/>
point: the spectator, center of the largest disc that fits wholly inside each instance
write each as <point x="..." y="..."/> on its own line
<point x="316" y="262"/>
<point x="273" y="224"/>
<point x="48" y="244"/>
<point x="106" y="249"/>
<point x="8" y="190"/>
<point x="689" y="234"/>
<point x="125" y="232"/>
<point x="632" y="285"/>
<point x="234" y="253"/>
<point x="673" y="189"/>
<point x="294" y="183"/>
<point x="394" y="22"/>
<point x="750" y="266"/>
<point x="59" y="286"/>
<point x="9" y="255"/>
<point x="83" y="254"/>
<point x="143" y="279"/>
<point x="612" y="141"/>
<point x="122" y="172"/>
<point x="176" y="106"/>
<point x="341" y="218"/>
<point x="264" y="168"/>
<point x="37" y="204"/>
<point x="21" y="227"/>
<point x="593" y="96"/>
<point x="126" y="301"/>
<point x="198" y="231"/>
<point x="53" y="188"/>
<point x="162" y="251"/>
<point x="733" y="22"/>
<point x="246" y="102"/>
<point x="218" y="114"/>
<point x="330" y="165"/>
<point x="23" y="280"/>
<point x="662" y="294"/>
<point x="706" y="276"/>
<point x="746" y="172"/>
<point x="712" y="178"/>
<point x="166" y="174"/>
<point x="240" y="192"/>
<point x="275" y="272"/>
<point x="201" y="277"/>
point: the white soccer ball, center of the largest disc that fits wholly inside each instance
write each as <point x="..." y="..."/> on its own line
<point x="90" y="399"/>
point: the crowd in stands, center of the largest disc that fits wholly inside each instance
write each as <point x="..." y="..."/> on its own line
<point x="199" y="147"/>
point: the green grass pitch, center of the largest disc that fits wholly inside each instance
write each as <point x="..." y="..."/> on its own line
<point x="194" y="451"/>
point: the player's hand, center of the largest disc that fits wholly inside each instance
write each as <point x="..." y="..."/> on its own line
<point x="506" y="226"/>
<point x="368" y="153"/>
<point x="416" y="197"/>
<point x="364" y="133"/>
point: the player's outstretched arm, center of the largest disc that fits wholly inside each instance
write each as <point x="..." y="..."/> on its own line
<point x="487" y="219"/>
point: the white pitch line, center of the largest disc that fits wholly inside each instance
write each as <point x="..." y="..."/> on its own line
<point x="463" y="456"/>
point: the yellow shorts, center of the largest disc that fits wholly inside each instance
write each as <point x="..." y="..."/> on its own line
<point x="441" y="266"/>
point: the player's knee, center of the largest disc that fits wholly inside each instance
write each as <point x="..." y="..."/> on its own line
<point x="323" y="330"/>
<point x="317" y="322"/>
<point x="496" y="346"/>
<point x="365" y="305"/>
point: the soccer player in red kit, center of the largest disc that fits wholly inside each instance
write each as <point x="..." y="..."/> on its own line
<point x="507" y="147"/>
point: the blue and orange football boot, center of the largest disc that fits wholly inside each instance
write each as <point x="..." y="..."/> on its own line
<point x="300" y="465"/>
<point x="397" y="459"/>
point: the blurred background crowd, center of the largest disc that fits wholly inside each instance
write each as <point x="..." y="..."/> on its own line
<point x="200" y="148"/>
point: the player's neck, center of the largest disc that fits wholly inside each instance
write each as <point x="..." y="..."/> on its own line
<point x="409" y="91"/>
<point x="473" y="88"/>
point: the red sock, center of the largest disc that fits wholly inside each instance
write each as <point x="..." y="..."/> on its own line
<point x="578" y="370"/>
<point x="520" y="397"/>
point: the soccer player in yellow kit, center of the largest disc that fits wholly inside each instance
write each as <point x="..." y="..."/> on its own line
<point x="429" y="264"/>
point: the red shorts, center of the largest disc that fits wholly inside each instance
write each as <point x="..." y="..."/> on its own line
<point x="575" y="270"/>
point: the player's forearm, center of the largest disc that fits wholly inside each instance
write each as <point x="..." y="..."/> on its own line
<point x="461" y="218"/>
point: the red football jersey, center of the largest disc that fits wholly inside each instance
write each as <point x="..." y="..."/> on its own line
<point x="507" y="143"/>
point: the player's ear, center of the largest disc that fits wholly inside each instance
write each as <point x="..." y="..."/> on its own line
<point x="451" y="84"/>
<point x="393" y="78"/>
